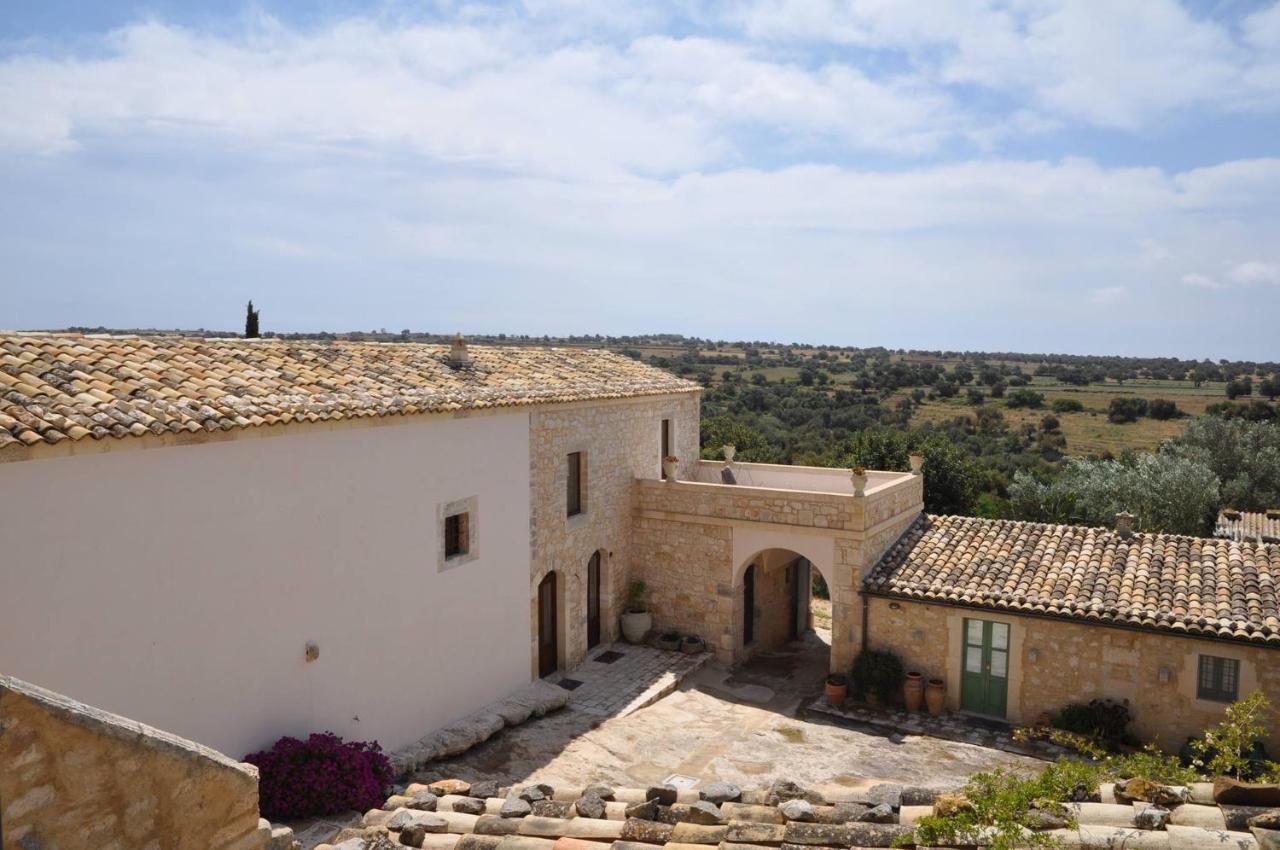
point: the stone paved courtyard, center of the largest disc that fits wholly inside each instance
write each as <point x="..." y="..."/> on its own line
<point x="639" y="677"/>
<point x="741" y="725"/>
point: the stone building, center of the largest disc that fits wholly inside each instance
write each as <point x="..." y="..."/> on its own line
<point x="235" y="540"/>
<point x="1020" y="619"/>
<point x="431" y="528"/>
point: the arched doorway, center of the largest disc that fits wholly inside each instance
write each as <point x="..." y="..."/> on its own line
<point x="593" y="601"/>
<point x="548" y="625"/>
<point x="777" y="606"/>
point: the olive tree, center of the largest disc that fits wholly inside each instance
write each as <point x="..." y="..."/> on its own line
<point x="1166" y="491"/>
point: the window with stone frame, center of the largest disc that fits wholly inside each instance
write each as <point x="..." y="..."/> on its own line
<point x="1218" y="679"/>
<point x="456" y="527"/>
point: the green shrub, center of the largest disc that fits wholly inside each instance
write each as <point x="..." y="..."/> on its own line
<point x="1023" y="397"/>
<point x="1003" y="803"/>
<point x="1066" y="405"/>
<point x="1103" y="719"/>
<point x="879" y="672"/>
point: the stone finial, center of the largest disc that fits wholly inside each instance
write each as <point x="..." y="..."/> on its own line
<point x="458" y="354"/>
<point x="917" y="462"/>
<point x="1124" y="524"/>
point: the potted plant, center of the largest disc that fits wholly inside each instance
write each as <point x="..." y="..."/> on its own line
<point x="859" y="477"/>
<point x="669" y="467"/>
<point x="670" y="641"/>
<point x="729" y="451"/>
<point x="837" y="689"/>
<point x="692" y="645"/>
<point x="636" y="620"/>
<point x="913" y="690"/>
<point x="878" y="676"/>
<point x="935" y="696"/>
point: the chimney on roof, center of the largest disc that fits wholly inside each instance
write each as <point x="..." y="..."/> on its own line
<point x="459" y="357"/>
<point x="1124" y="524"/>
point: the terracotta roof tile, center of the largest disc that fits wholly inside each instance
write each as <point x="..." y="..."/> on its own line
<point x="56" y="387"/>
<point x="1249" y="525"/>
<point x="1164" y="582"/>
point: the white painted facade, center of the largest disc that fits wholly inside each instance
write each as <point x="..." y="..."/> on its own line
<point x="180" y="585"/>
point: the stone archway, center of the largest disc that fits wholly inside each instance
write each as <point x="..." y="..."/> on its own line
<point x="788" y="544"/>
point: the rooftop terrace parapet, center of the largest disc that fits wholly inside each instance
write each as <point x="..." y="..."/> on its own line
<point x="805" y="496"/>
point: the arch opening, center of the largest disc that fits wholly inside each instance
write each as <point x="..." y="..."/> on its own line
<point x="778" y="611"/>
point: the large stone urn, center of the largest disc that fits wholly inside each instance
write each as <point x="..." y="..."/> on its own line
<point x="858" y="476"/>
<point x="669" y="465"/>
<point x="635" y="625"/>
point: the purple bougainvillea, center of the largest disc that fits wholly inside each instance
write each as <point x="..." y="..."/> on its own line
<point x="319" y="776"/>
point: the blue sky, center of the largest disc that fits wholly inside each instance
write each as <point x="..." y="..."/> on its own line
<point x="1024" y="175"/>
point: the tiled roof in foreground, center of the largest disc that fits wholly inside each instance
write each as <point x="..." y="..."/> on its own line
<point x="1169" y="583"/>
<point x="56" y="387"/>
<point x="1249" y="525"/>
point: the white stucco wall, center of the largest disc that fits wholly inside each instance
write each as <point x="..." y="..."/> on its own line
<point x="179" y="586"/>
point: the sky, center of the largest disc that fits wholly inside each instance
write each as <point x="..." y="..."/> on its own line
<point x="1027" y="175"/>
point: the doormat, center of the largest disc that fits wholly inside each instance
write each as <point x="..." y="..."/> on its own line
<point x="608" y="656"/>
<point x="569" y="684"/>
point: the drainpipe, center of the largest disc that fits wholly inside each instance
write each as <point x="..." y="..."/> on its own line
<point x="866" y="619"/>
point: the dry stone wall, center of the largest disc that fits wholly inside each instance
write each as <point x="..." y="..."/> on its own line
<point x="620" y="441"/>
<point x="75" y="777"/>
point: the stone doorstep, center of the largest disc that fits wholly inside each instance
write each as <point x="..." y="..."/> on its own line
<point x="949" y="727"/>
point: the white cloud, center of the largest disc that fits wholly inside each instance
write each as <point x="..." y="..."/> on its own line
<point x="1255" y="272"/>
<point x="1108" y="294"/>
<point x="1118" y="65"/>
<point x="539" y="171"/>
<point x="487" y="94"/>
<point x="1201" y="281"/>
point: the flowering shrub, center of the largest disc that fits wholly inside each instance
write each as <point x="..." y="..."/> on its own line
<point x="319" y="776"/>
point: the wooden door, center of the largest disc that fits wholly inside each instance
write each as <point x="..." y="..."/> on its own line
<point x="984" y="680"/>
<point x="547" y="619"/>
<point x="749" y="605"/>
<point x="593" y="601"/>
<point x="800" y="582"/>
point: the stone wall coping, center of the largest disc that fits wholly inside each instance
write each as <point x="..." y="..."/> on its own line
<point x="120" y="728"/>
<point x="878" y="481"/>
<point x="742" y="490"/>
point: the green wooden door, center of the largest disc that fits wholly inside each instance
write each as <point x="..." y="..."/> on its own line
<point x="984" y="683"/>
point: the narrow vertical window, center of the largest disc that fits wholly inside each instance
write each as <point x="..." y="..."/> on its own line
<point x="666" y="444"/>
<point x="574" y="481"/>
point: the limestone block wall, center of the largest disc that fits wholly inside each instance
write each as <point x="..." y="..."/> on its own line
<point x="620" y="441"/>
<point x="773" y="600"/>
<point x="754" y="504"/>
<point x="688" y="570"/>
<point x="77" y="777"/>
<point x="685" y="538"/>
<point x="1056" y="662"/>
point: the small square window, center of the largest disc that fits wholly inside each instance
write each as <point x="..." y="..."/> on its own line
<point x="457" y="538"/>
<point x="1219" y="679"/>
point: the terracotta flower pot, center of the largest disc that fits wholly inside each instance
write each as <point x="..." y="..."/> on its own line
<point x="935" y="696"/>
<point x="913" y="691"/>
<point x="837" y="690"/>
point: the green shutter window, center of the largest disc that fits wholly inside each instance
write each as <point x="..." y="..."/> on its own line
<point x="1219" y="679"/>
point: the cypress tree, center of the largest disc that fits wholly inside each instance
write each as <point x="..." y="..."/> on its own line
<point x="251" y="323"/>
